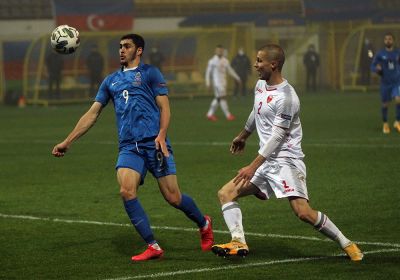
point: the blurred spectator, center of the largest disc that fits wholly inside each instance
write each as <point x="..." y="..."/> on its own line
<point x="156" y="58"/>
<point x="367" y="54"/>
<point x="311" y="62"/>
<point x="242" y="66"/>
<point x="54" y="63"/>
<point x="95" y="65"/>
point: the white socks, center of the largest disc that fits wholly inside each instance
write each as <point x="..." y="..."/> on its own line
<point x="213" y="107"/>
<point x="330" y="230"/>
<point x="233" y="219"/>
<point x="206" y="225"/>
<point x="156" y="246"/>
<point x="224" y="107"/>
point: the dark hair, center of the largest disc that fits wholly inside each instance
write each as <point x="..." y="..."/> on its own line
<point x="136" y="39"/>
<point x="389" y="34"/>
<point x="220" y="46"/>
<point x="274" y="52"/>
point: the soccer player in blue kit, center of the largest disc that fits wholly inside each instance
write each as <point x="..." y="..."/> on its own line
<point x="140" y="97"/>
<point x="386" y="63"/>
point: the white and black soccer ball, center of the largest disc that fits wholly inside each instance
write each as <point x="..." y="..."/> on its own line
<point x="65" y="39"/>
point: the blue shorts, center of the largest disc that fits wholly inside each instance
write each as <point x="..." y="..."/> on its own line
<point x="143" y="156"/>
<point x="389" y="92"/>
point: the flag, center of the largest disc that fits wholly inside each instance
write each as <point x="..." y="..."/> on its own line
<point x="94" y="15"/>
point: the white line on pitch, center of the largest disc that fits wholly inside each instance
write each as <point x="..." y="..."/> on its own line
<point x="269" y="235"/>
<point x="227" y="144"/>
<point x="230" y="267"/>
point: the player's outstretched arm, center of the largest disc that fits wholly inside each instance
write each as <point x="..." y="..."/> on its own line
<point x="83" y="125"/>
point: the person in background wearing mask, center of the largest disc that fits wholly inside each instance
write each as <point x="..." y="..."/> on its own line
<point x="242" y="66"/>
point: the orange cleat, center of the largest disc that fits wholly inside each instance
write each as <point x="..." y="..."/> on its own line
<point x="149" y="254"/>
<point x="212" y="118"/>
<point x="230" y="117"/>
<point x="207" y="236"/>
<point x="354" y="253"/>
<point x="396" y="125"/>
<point x="233" y="248"/>
<point x="386" y="128"/>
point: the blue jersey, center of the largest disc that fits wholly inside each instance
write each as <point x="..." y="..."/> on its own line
<point x="390" y="63"/>
<point x="134" y="93"/>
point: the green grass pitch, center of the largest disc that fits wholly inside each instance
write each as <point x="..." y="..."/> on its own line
<point x="49" y="206"/>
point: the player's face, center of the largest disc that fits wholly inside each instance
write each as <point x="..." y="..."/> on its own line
<point x="263" y="66"/>
<point x="219" y="52"/>
<point x="128" y="52"/>
<point x="388" y="41"/>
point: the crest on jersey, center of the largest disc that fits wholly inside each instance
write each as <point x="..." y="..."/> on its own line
<point x="137" y="81"/>
<point x="269" y="98"/>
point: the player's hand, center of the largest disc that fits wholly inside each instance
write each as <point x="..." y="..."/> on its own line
<point x="237" y="145"/>
<point x="161" y="144"/>
<point x="244" y="176"/>
<point x="60" y="149"/>
<point x="378" y="69"/>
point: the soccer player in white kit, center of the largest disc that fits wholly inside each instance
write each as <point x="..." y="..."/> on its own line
<point x="217" y="67"/>
<point x="278" y="168"/>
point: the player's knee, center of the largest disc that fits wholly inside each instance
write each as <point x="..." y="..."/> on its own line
<point x="224" y="196"/>
<point x="127" y="193"/>
<point x="220" y="194"/>
<point x="173" y="200"/>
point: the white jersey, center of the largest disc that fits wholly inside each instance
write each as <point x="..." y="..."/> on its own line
<point x="278" y="105"/>
<point x="216" y="69"/>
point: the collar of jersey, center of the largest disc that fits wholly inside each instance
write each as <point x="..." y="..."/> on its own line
<point x="275" y="87"/>
<point x="134" y="68"/>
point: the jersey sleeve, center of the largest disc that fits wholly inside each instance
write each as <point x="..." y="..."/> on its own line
<point x="250" y="125"/>
<point x="103" y="94"/>
<point x="208" y="72"/>
<point x="157" y="82"/>
<point x="375" y="61"/>
<point x="286" y="109"/>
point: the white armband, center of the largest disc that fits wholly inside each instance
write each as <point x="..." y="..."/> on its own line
<point x="277" y="136"/>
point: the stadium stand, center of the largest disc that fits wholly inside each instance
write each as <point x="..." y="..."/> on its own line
<point x="42" y="9"/>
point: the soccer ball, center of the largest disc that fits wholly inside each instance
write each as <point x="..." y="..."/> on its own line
<point x="65" y="39"/>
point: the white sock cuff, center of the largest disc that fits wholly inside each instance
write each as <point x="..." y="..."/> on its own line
<point x="318" y="219"/>
<point x="229" y="205"/>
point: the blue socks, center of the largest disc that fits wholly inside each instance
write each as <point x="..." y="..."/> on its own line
<point x="384" y="114"/>
<point x="139" y="219"/>
<point x="190" y="209"/>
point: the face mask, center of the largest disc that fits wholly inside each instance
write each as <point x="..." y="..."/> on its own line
<point x="241" y="52"/>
